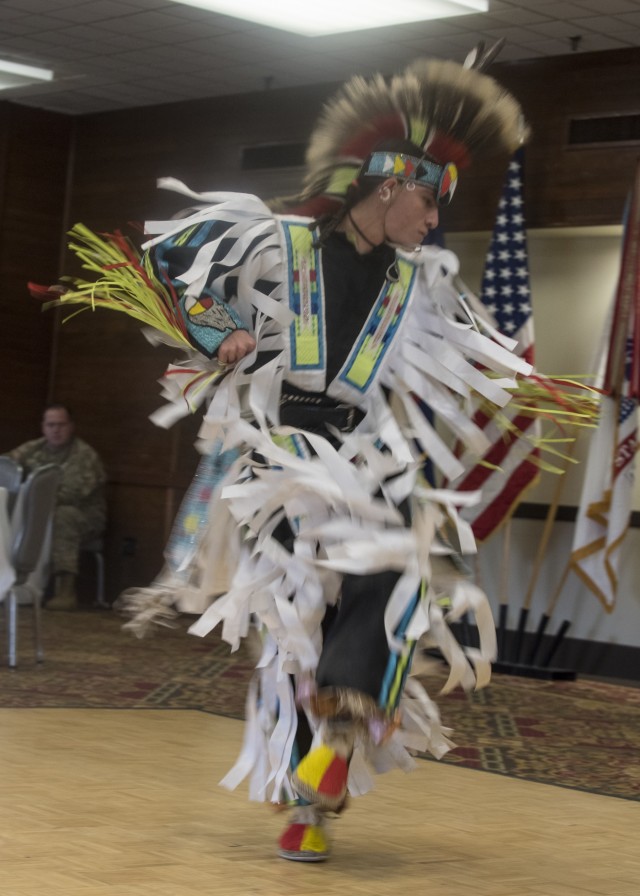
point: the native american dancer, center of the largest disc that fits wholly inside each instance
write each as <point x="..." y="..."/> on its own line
<point x="310" y="333"/>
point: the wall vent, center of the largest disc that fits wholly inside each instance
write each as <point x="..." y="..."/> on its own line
<point x="273" y="155"/>
<point x="606" y="130"/>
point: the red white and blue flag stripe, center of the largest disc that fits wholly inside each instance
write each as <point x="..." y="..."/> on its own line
<point x="507" y="468"/>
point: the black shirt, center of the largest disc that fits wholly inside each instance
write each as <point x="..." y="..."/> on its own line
<point x="352" y="283"/>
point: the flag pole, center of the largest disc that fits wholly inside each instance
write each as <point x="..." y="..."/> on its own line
<point x="551" y="605"/>
<point x="503" y="610"/>
<point x="542" y="550"/>
<point x="522" y="623"/>
<point x="546" y="616"/>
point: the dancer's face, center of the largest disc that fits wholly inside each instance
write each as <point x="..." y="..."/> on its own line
<point x="411" y="212"/>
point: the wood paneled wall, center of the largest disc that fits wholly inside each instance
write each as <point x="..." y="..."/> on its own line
<point x="34" y="161"/>
<point x="575" y="185"/>
<point x="102" y="365"/>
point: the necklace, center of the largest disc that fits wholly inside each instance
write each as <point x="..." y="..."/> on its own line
<point x="360" y="233"/>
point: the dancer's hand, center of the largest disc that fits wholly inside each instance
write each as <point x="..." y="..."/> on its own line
<point x="235" y="346"/>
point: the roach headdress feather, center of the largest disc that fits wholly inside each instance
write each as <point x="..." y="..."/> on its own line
<point x="453" y="114"/>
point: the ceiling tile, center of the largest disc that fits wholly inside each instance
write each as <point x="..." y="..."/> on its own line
<point x="106" y="43"/>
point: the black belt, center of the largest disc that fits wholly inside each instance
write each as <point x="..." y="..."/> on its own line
<point x="314" y="411"/>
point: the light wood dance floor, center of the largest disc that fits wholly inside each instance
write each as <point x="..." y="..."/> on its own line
<point x="126" y="803"/>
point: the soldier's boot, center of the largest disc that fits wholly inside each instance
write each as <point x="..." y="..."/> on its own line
<point x="64" y="597"/>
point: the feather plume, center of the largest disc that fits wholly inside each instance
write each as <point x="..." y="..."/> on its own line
<point x="453" y="113"/>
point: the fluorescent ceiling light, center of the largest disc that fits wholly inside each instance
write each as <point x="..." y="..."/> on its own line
<point x="333" y="16"/>
<point x="14" y="74"/>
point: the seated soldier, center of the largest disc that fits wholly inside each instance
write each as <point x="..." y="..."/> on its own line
<point x="80" y="512"/>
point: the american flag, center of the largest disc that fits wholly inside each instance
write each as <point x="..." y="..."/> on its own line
<point x="605" y="504"/>
<point x="507" y="470"/>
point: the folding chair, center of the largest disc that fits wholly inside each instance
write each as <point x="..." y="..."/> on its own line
<point x="10" y="478"/>
<point x="30" y="542"/>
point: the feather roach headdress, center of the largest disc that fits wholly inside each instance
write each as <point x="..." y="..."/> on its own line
<point x="452" y="114"/>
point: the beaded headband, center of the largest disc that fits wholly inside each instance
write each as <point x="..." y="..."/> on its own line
<point x="441" y="178"/>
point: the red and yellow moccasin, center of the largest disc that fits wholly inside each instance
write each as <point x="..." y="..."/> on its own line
<point x="321" y="778"/>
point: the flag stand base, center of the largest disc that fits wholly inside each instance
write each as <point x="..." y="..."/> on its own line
<point x="547" y="673"/>
<point x="520" y="653"/>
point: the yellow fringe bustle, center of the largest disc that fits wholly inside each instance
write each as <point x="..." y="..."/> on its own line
<point x="126" y="283"/>
<point x="565" y="403"/>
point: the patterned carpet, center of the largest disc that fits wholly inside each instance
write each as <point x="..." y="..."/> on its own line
<point x="577" y="734"/>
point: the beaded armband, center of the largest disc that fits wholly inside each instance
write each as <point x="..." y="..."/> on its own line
<point x="209" y="321"/>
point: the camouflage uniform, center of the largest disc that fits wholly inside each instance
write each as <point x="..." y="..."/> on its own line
<point x="80" y="512"/>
